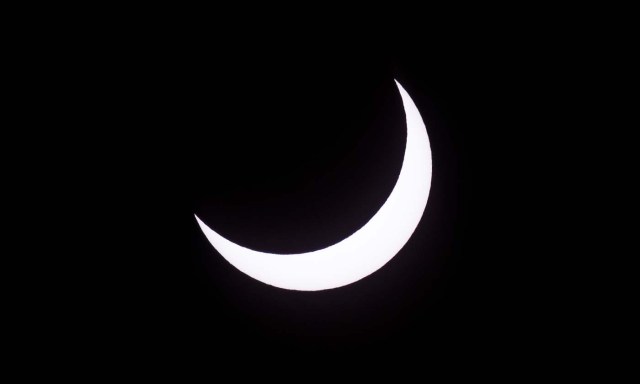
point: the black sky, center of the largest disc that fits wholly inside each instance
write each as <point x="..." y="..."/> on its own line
<point x="289" y="142"/>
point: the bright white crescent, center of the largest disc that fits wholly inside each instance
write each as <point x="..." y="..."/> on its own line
<point x="366" y="250"/>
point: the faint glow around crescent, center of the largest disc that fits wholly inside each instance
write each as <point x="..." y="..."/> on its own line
<point x="366" y="250"/>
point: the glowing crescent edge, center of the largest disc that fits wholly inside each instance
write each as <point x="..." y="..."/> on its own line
<point x="367" y="249"/>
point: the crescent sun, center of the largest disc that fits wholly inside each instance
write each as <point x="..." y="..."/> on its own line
<point x="367" y="249"/>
